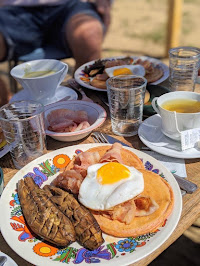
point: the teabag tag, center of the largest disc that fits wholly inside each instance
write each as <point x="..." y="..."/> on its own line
<point x="190" y="138"/>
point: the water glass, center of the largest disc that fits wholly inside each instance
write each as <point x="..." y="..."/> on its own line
<point x="22" y="123"/>
<point x="126" y="97"/>
<point x="184" y="63"/>
<point x="1" y="181"/>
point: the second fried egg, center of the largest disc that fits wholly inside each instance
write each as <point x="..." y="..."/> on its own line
<point x="125" y="70"/>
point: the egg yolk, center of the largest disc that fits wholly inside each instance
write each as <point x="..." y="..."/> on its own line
<point x="122" y="71"/>
<point x="111" y="173"/>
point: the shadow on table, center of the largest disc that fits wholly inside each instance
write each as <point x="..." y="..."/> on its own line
<point x="182" y="252"/>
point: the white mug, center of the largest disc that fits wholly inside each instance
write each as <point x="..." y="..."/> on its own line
<point x="41" y="87"/>
<point x="172" y="122"/>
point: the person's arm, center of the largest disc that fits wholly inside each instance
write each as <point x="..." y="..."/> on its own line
<point x="103" y="8"/>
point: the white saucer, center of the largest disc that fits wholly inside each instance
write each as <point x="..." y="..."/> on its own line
<point x="150" y="134"/>
<point x="62" y="93"/>
<point x="9" y="262"/>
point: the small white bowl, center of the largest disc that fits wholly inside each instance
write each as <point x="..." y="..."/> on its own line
<point x="96" y="116"/>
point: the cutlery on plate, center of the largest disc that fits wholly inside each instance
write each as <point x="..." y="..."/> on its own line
<point x="184" y="184"/>
<point x="76" y="86"/>
<point x="3" y="260"/>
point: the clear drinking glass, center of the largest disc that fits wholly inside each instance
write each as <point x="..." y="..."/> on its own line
<point x="126" y="97"/>
<point x="184" y="63"/>
<point x="22" y="123"/>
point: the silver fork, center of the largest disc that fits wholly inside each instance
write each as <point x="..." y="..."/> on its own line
<point x="76" y="86"/>
<point x="184" y="184"/>
<point x="98" y="137"/>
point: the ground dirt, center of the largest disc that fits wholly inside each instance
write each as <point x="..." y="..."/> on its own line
<point x="139" y="27"/>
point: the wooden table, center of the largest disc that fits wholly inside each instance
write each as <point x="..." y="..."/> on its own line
<point x="191" y="202"/>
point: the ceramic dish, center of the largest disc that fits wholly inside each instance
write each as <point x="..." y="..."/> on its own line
<point x="96" y="116"/>
<point x="151" y="135"/>
<point x="9" y="262"/>
<point x="83" y="80"/>
<point x="114" y="251"/>
<point x="62" y="93"/>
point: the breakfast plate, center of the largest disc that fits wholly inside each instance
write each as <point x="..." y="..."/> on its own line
<point x="82" y="78"/>
<point x="114" y="251"/>
<point x="62" y="93"/>
<point x="151" y="135"/>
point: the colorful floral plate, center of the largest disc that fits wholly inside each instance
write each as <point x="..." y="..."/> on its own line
<point x="84" y="80"/>
<point x="114" y="251"/>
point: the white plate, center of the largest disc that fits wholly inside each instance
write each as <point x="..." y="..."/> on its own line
<point x="9" y="262"/>
<point x="83" y="81"/>
<point x="62" y="93"/>
<point x="112" y="252"/>
<point x="96" y="117"/>
<point x="150" y="134"/>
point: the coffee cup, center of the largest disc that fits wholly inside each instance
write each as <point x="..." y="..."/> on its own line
<point x="173" y="122"/>
<point x="40" y="78"/>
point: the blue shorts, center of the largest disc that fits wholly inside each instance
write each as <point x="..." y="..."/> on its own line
<point x="28" y="28"/>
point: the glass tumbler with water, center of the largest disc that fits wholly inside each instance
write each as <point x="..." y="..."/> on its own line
<point x="126" y="96"/>
<point x="23" y="127"/>
<point x="184" y="63"/>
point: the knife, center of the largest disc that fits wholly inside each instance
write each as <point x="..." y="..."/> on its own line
<point x="112" y="140"/>
<point x="184" y="184"/>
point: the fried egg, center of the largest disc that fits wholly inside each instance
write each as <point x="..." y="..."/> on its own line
<point x="109" y="184"/>
<point x="125" y="70"/>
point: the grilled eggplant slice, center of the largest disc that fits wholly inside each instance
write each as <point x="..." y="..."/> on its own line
<point x="88" y="232"/>
<point x="42" y="216"/>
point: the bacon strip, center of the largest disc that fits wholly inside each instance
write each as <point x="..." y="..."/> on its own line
<point x="69" y="180"/>
<point x="113" y="155"/>
<point x="125" y="212"/>
<point x="145" y="206"/>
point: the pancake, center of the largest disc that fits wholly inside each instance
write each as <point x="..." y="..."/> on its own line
<point x="101" y="84"/>
<point x="129" y="158"/>
<point x="156" y="188"/>
<point x="155" y="74"/>
<point x="146" y="97"/>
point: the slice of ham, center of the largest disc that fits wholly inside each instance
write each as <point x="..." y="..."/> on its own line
<point x="81" y="126"/>
<point x="113" y="155"/>
<point x="84" y="160"/>
<point x="63" y="126"/>
<point x="58" y="115"/>
<point x="69" y="180"/>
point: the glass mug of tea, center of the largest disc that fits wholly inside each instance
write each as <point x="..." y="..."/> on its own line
<point x="179" y="111"/>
